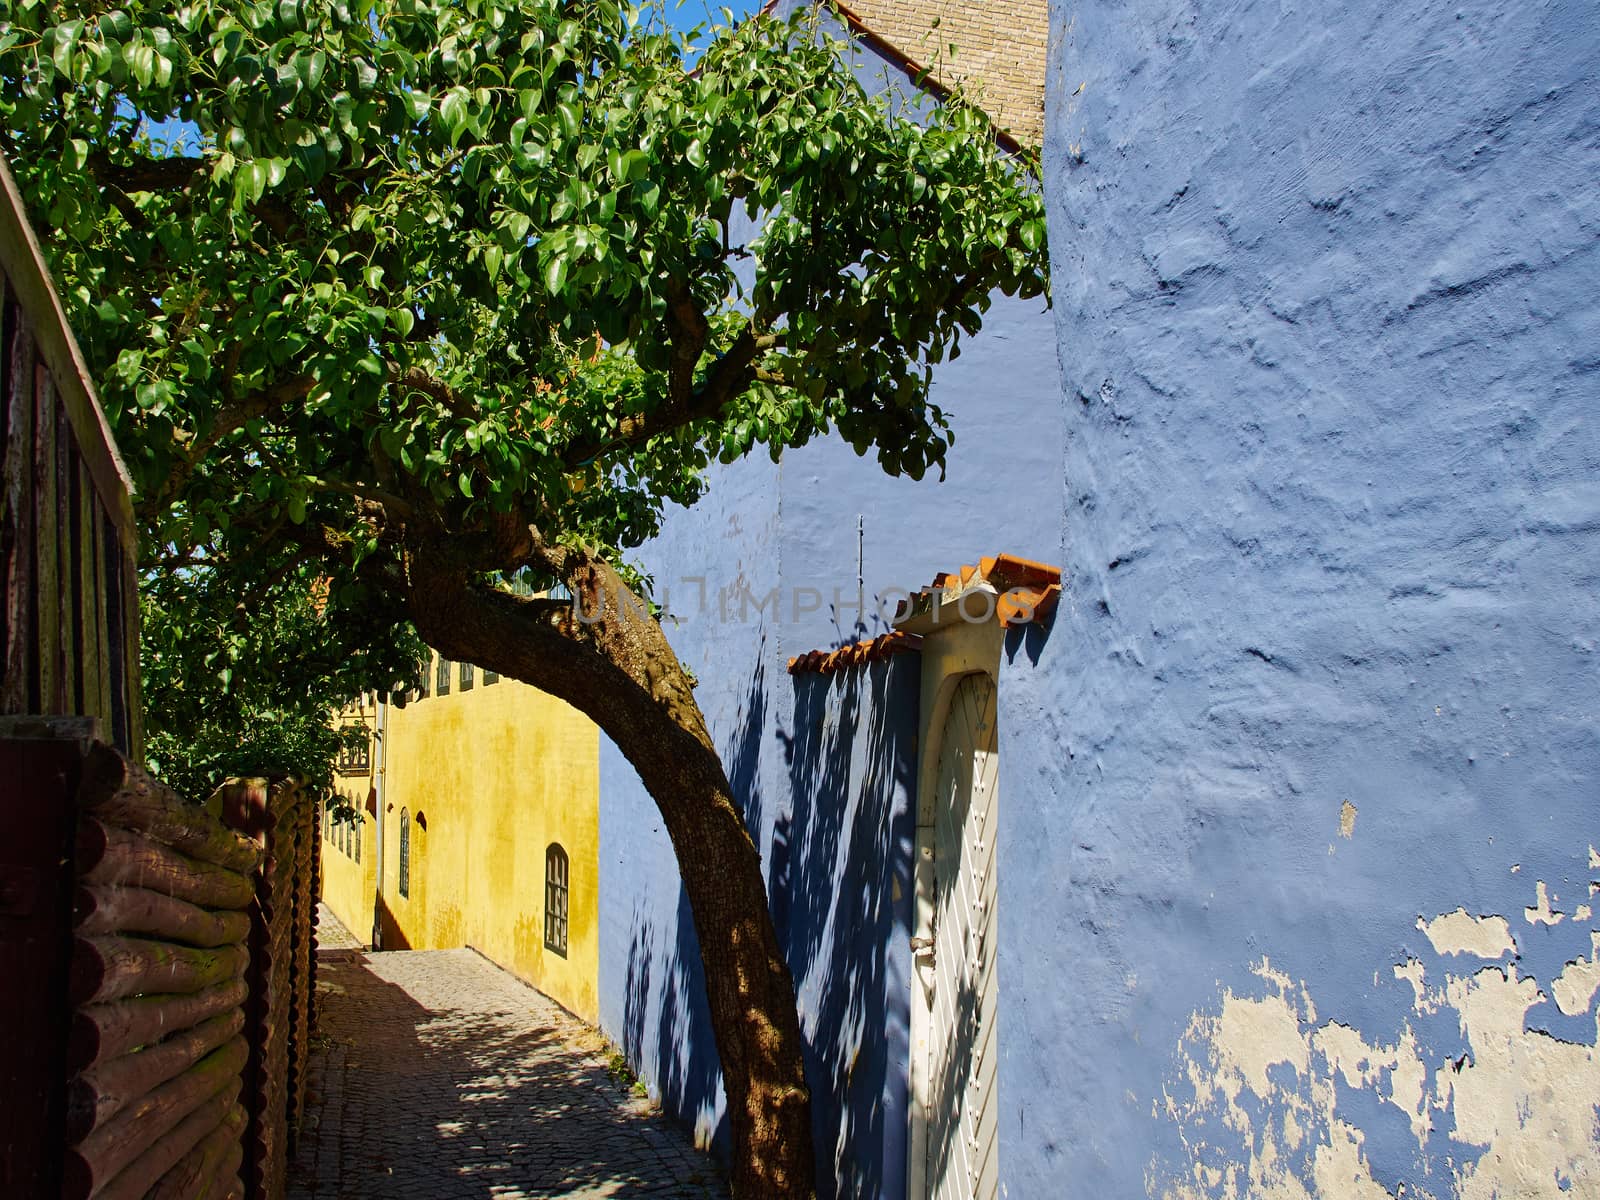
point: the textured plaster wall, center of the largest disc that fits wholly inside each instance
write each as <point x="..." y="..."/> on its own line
<point x="823" y="767"/>
<point x="497" y="773"/>
<point x="1306" y="882"/>
<point x="348" y="885"/>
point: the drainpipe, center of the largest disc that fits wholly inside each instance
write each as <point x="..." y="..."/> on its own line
<point x="379" y="776"/>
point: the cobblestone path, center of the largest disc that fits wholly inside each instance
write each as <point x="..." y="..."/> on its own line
<point x="440" y="1077"/>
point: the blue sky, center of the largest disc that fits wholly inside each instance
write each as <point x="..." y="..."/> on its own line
<point x="688" y="13"/>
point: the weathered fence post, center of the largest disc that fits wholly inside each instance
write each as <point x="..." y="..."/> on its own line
<point x="41" y="764"/>
<point x="279" y="1015"/>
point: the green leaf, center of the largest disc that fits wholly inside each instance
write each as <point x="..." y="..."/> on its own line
<point x="142" y="62"/>
<point x="555" y="274"/>
<point x="311" y="68"/>
<point x="403" y="321"/>
<point x="453" y="112"/>
<point x="249" y="182"/>
<point x="649" y="197"/>
<point x="417" y="104"/>
<point x="66" y="41"/>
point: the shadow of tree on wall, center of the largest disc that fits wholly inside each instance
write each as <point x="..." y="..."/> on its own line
<point x="669" y="1035"/>
<point x="467" y="1102"/>
<point x="841" y="876"/>
<point x="838" y="865"/>
<point x="688" y="1078"/>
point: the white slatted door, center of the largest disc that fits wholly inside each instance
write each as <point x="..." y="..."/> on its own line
<point x="962" y="1047"/>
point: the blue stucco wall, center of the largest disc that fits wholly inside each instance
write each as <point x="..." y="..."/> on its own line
<point x="824" y="766"/>
<point x="1325" y="288"/>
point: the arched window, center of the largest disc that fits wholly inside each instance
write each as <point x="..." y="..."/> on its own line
<point x="356" y="832"/>
<point x="405" y="853"/>
<point x="465" y="677"/>
<point x="555" y="899"/>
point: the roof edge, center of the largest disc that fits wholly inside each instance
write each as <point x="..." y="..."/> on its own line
<point x="920" y="75"/>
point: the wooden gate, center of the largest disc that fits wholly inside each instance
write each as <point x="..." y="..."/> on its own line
<point x="963" y="1157"/>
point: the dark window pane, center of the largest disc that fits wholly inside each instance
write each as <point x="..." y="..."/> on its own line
<point x="405" y="853"/>
<point x="555" y="899"/>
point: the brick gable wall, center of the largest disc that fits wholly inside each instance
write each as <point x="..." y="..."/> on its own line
<point x="1000" y="51"/>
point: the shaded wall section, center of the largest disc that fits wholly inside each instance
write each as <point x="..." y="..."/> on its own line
<point x="1306" y="879"/>
<point x="652" y="990"/>
<point x="349" y="860"/>
<point x="838" y="866"/>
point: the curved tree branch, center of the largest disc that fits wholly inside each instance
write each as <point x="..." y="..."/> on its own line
<point x="619" y="670"/>
<point x="728" y="377"/>
<point x="434" y="388"/>
<point x="144" y="174"/>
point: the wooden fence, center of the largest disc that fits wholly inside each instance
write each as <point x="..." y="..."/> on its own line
<point x="168" y="954"/>
<point x="280" y="1016"/>
<point x="69" y="625"/>
<point x="161" y="946"/>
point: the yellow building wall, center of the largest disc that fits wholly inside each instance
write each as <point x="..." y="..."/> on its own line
<point x="486" y="780"/>
<point x="349" y="881"/>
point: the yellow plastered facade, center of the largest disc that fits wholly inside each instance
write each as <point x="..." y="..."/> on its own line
<point x="486" y="780"/>
<point x="349" y="853"/>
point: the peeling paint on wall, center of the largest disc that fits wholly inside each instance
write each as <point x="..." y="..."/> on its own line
<point x="1460" y="932"/>
<point x="1541" y="913"/>
<point x="1273" y="1100"/>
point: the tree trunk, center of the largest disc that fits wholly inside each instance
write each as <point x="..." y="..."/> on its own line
<point x="616" y="667"/>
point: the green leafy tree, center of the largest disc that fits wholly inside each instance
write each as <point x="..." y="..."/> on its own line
<point x="441" y="291"/>
<point x="246" y="680"/>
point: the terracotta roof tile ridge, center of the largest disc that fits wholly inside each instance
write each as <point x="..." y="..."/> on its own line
<point x="1027" y="591"/>
<point x="874" y="649"/>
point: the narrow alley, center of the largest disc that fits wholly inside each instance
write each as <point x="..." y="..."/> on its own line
<point x="437" y="1076"/>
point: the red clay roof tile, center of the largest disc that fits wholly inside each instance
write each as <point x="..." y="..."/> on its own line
<point x="1029" y="592"/>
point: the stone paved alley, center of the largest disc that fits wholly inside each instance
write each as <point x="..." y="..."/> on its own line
<point x="438" y="1076"/>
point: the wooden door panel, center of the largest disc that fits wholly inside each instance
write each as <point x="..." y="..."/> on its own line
<point x="962" y="1144"/>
